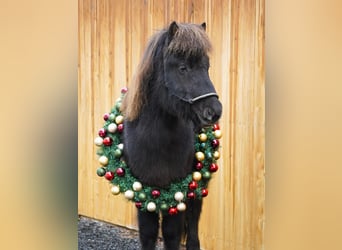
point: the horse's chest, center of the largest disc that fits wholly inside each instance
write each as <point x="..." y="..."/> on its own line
<point x="160" y="157"/>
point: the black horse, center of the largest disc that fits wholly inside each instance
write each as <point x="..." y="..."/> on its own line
<point x="170" y="98"/>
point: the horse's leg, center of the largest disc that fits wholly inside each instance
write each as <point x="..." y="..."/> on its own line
<point x="193" y="212"/>
<point x="148" y="229"/>
<point x="172" y="228"/>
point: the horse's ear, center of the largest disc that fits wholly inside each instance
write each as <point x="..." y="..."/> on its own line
<point x="204" y="26"/>
<point x="172" y="30"/>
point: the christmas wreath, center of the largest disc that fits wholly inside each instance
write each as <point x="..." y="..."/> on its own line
<point x="153" y="199"/>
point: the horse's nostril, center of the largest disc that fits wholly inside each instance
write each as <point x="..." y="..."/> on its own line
<point x="212" y="113"/>
<point x="208" y="113"/>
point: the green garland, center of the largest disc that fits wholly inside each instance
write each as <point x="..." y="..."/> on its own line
<point x="167" y="200"/>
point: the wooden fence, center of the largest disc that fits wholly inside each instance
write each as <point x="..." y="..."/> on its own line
<point x="112" y="36"/>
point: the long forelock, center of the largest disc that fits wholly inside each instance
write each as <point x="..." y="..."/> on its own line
<point x="189" y="40"/>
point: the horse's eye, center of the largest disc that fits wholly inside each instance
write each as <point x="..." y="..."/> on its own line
<point x="182" y="68"/>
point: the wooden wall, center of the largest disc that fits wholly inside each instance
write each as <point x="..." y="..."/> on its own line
<point x="112" y="36"/>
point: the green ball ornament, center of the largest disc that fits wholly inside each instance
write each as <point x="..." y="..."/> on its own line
<point x="142" y="196"/>
<point x="206" y="175"/>
<point x="164" y="207"/>
<point x="101" y="172"/>
<point x="118" y="105"/>
<point x="99" y="151"/>
<point x="111" y="117"/>
<point x="117" y="153"/>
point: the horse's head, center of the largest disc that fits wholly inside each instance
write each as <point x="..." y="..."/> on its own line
<point x="186" y="65"/>
<point x="173" y="75"/>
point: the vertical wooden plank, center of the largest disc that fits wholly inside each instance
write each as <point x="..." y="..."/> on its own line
<point x="157" y="12"/>
<point x="198" y="15"/>
<point x="85" y="102"/>
<point x="102" y="89"/>
<point x="213" y="204"/>
<point x="139" y="31"/>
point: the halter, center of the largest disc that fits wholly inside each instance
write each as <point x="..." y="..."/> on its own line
<point x="192" y="100"/>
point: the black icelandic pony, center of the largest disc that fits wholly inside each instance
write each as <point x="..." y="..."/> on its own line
<point x="170" y="98"/>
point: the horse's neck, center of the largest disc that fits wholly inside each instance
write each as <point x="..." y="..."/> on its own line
<point x="165" y="130"/>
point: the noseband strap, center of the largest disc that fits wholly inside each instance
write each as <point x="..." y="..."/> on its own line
<point x="192" y="100"/>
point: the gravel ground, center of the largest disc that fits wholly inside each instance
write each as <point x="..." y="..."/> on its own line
<point x="99" y="235"/>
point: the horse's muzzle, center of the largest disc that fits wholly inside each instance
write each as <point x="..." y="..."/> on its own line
<point x="212" y="113"/>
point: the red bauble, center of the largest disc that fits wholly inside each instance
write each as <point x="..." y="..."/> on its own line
<point x="193" y="185"/>
<point x="120" y="172"/>
<point x="191" y="195"/>
<point x="204" y="192"/>
<point x="215" y="143"/>
<point x="120" y="127"/>
<point x="216" y="127"/>
<point x="109" y="176"/>
<point x="107" y="141"/>
<point x="105" y="116"/>
<point x="102" y="132"/>
<point x="199" y="165"/>
<point x="155" y="193"/>
<point x="173" y="211"/>
<point x="138" y="204"/>
<point x="124" y="90"/>
<point x="213" y="167"/>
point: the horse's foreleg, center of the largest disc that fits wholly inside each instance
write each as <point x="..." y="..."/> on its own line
<point x="172" y="228"/>
<point x="193" y="212"/>
<point x="148" y="229"/>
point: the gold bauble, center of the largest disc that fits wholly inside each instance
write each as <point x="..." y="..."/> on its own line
<point x="103" y="160"/>
<point x="218" y="134"/>
<point x="216" y="155"/>
<point x="196" y="176"/>
<point x="202" y="137"/>
<point x="119" y="119"/>
<point x="200" y="156"/>
<point x="115" y="190"/>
